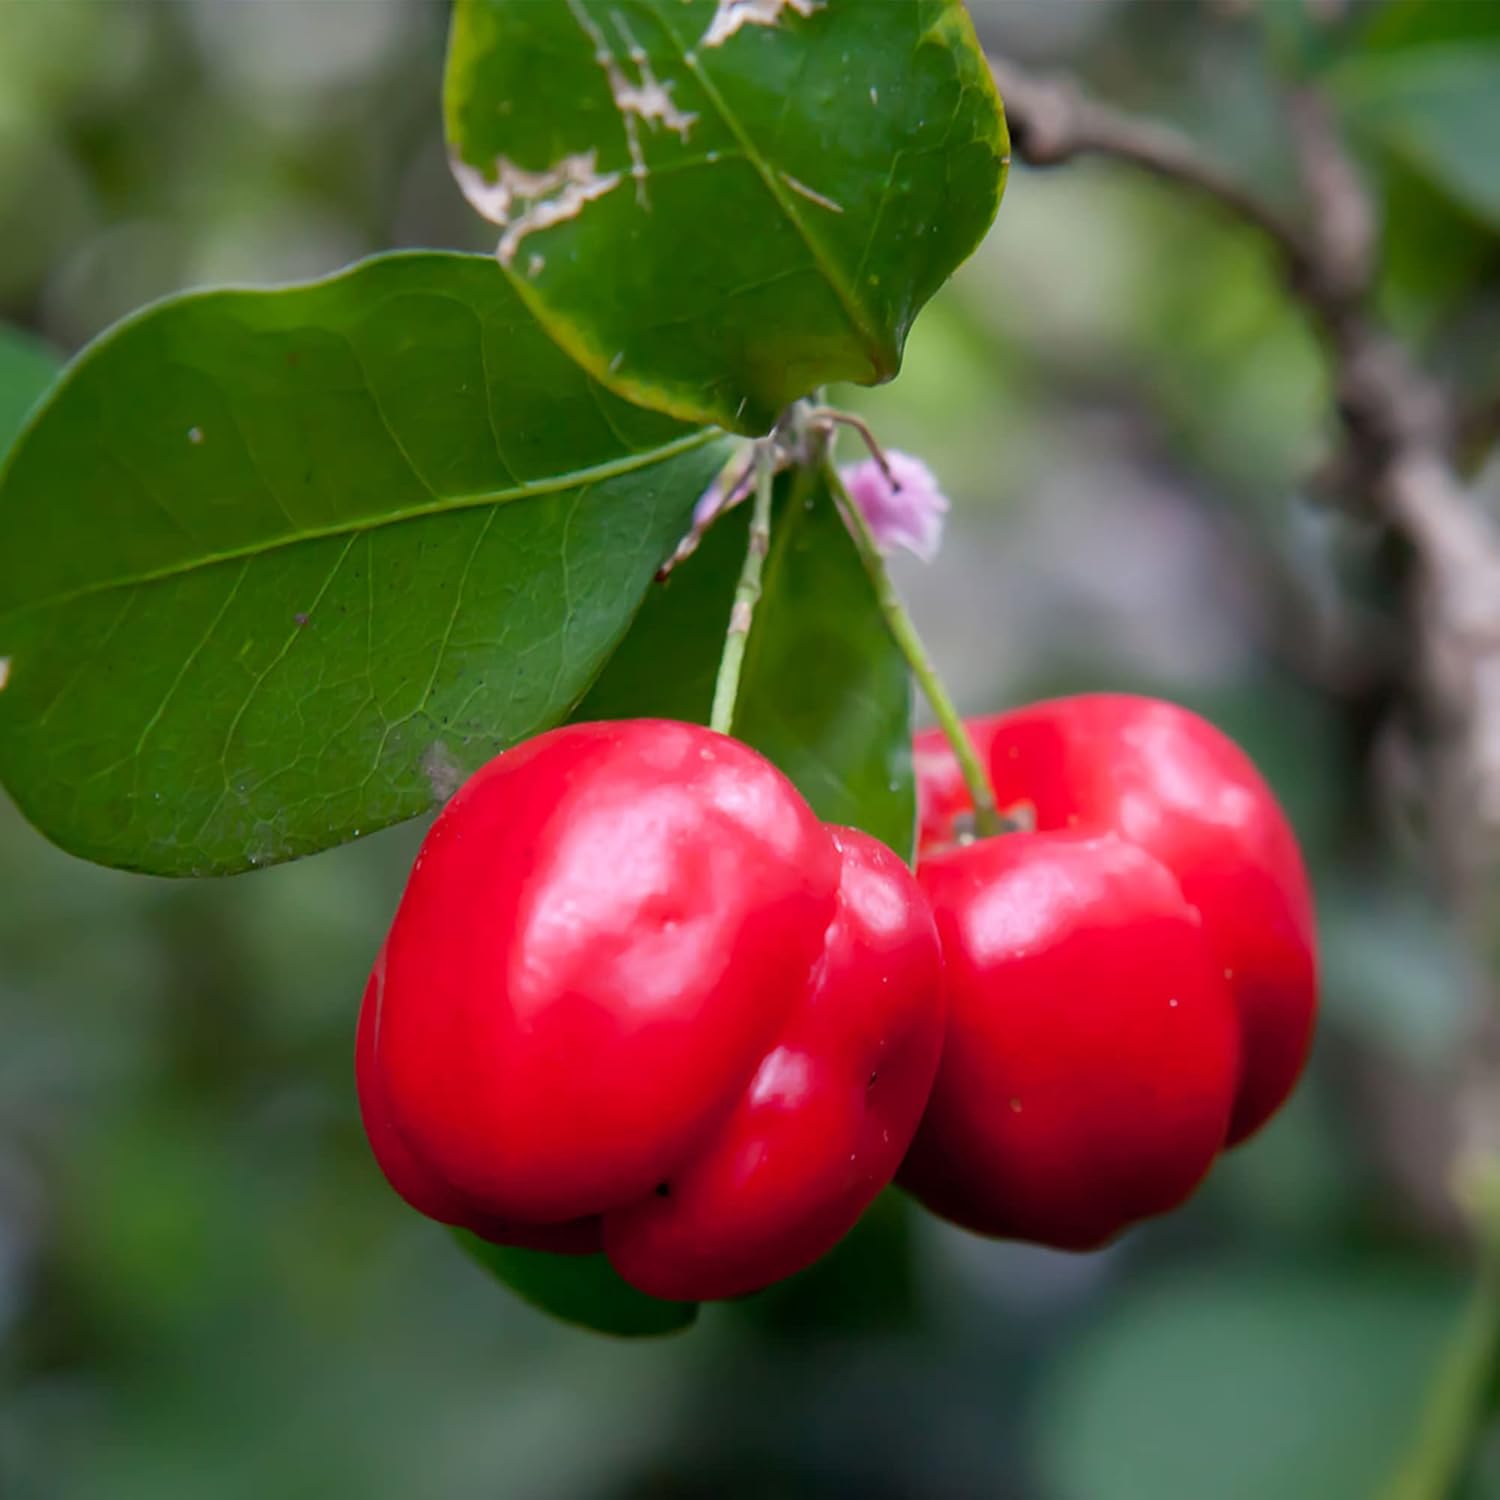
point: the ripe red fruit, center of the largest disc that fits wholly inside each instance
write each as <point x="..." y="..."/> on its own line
<point x="1092" y="1047"/>
<point x="1169" y="782"/>
<point x="634" y="996"/>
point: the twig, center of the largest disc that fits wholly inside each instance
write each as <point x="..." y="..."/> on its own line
<point x="831" y="416"/>
<point x="1051" y="122"/>
<point x="746" y="594"/>
<point x="1327" y="265"/>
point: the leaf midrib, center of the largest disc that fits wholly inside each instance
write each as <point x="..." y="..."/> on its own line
<point x="860" y="317"/>
<point x="573" y="479"/>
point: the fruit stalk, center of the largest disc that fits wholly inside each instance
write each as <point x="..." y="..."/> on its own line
<point x="904" y="633"/>
<point x="746" y="596"/>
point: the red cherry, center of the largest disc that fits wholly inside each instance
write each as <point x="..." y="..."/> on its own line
<point x="1092" y="1047"/>
<point x="1168" y="781"/>
<point x="829" y="1114"/>
<point x="607" y="933"/>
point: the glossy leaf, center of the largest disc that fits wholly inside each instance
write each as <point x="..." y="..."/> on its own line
<point x="824" y="692"/>
<point x="581" y="1289"/>
<point x="27" y="368"/>
<point x="278" y="568"/>
<point x="740" y="199"/>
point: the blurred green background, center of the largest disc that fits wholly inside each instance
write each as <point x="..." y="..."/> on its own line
<point x="205" y="1287"/>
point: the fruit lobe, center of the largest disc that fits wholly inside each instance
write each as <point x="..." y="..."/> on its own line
<point x="1169" y="782"/>
<point x="1092" y="1047"/>
<point x="829" y="1113"/>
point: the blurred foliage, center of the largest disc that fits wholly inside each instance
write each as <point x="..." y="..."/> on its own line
<point x="1290" y="1382"/>
<point x="205" y="1287"/>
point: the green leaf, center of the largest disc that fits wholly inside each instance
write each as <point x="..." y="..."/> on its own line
<point x="581" y="1289"/>
<point x="824" y="693"/>
<point x="1249" y="1383"/>
<point x="1436" y="106"/>
<point x="1399" y="24"/>
<point x="278" y="568"/>
<point x="717" y="205"/>
<point x="27" y="368"/>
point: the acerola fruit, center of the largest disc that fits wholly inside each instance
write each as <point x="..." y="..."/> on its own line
<point x="1092" y="1047"/>
<point x="632" y="979"/>
<point x="1167" y="781"/>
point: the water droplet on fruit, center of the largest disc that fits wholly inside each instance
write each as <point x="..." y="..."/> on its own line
<point x="1015" y="1106"/>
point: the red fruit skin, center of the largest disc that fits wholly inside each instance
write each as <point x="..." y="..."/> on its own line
<point x="602" y="935"/>
<point x="1169" y="782"/>
<point x="828" y="1116"/>
<point x="405" y="1172"/>
<point x="630" y="957"/>
<point x="1092" y="1047"/>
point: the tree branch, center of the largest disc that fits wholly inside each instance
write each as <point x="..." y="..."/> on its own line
<point x="1327" y="264"/>
<point x="1398" y="426"/>
<point x="1052" y="122"/>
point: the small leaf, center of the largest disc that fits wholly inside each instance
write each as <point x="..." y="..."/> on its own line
<point x="717" y="205"/>
<point x="27" y="368"/>
<point x="278" y="568"/>
<point x="824" y="693"/>
<point x="581" y="1289"/>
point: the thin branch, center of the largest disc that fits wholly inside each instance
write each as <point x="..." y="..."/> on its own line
<point x="1051" y="122"/>
<point x="746" y="594"/>
<point x="1327" y="265"/>
<point x="1341" y="236"/>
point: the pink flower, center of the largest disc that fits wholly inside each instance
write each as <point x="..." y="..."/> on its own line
<point x="908" y="513"/>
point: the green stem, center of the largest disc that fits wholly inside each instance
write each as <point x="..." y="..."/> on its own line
<point x="904" y="633"/>
<point x="746" y="595"/>
<point x="1434" y="1465"/>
